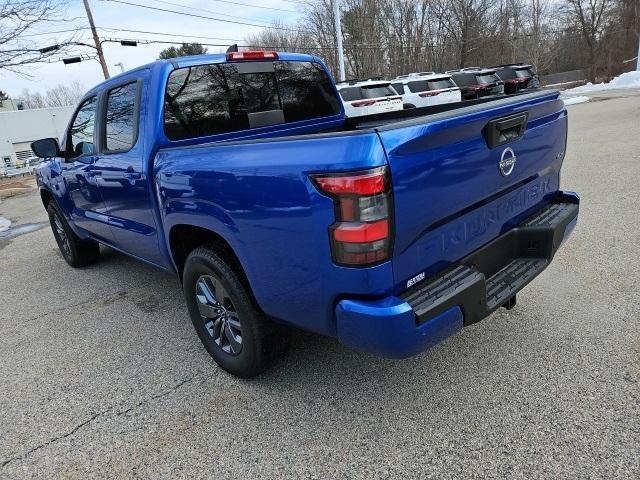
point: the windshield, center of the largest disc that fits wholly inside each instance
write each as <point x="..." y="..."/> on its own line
<point x="366" y="91"/>
<point x="486" y="78"/>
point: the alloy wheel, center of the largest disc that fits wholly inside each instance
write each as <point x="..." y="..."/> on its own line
<point x="63" y="238"/>
<point x="219" y="314"/>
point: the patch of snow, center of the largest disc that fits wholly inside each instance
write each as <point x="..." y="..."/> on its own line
<point x="626" y="80"/>
<point x="4" y="224"/>
<point x="573" y="100"/>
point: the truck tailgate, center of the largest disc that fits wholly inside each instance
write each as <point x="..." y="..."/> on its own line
<point x="461" y="178"/>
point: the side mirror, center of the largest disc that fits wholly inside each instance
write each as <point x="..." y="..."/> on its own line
<point x="46" y="147"/>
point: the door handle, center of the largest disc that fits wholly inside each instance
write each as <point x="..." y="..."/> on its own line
<point x="131" y="174"/>
<point x="506" y="129"/>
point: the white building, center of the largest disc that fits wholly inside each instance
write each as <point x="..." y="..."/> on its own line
<point x="10" y="104"/>
<point x="18" y="128"/>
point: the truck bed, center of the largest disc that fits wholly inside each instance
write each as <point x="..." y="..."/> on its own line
<point x="447" y="188"/>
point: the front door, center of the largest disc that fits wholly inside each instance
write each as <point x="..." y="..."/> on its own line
<point x="80" y="172"/>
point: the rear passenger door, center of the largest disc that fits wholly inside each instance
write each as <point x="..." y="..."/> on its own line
<point x="125" y="184"/>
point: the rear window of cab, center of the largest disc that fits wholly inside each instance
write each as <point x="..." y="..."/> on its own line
<point x="229" y="97"/>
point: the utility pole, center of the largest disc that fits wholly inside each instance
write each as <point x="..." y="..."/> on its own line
<point x="336" y="14"/>
<point x="105" y="70"/>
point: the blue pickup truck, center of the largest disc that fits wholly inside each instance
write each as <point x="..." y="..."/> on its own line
<point x="240" y="173"/>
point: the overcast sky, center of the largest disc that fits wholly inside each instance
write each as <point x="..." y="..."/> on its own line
<point x="108" y="14"/>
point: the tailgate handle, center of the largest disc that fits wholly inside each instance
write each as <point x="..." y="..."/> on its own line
<point x="506" y="129"/>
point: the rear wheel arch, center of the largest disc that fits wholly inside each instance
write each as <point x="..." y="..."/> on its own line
<point x="183" y="239"/>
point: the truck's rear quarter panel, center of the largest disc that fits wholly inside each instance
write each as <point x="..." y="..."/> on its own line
<point x="258" y="196"/>
<point x="450" y="196"/>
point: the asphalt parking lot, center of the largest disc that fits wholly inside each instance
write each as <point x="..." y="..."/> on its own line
<point x="101" y="374"/>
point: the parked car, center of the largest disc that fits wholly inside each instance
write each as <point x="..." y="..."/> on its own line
<point x="368" y="97"/>
<point x="241" y="174"/>
<point x="517" y="77"/>
<point x="426" y="88"/>
<point x="475" y="82"/>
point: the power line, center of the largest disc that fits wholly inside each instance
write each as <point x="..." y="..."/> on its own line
<point x="277" y="27"/>
<point x="266" y="47"/>
<point x="229" y="2"/>
<point x="54" y="32"/>
<point x="205" y="10"/>
<point x="181" y="35"/>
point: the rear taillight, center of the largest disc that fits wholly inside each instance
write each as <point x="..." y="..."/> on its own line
<point x="252" y="55"/>
<point x="361" y="235"/>
<point x="363" y="103"/>
<point x="429" y="94"/>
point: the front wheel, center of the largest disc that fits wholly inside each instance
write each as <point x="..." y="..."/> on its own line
<point x="239" y="337"/>
<point x="76" y="252"/>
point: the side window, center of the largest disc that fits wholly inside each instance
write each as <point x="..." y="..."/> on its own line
<point x="121" y="122"/>
<point x="398" y="87"/>
<point x="81" y="133"/>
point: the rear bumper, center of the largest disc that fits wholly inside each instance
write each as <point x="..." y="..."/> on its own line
<point x="464" y="293"/>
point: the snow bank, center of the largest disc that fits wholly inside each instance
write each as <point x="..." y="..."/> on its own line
<point x="572" y="100"/>
<point x="4" y="224"/>
<point x="626" y="80"/>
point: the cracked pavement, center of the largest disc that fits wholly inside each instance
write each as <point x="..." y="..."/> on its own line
<point x="102" y="376"/>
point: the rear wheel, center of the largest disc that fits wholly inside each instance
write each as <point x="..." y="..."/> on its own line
<point x="239" y="337"/>
<point x="76" y="252"/>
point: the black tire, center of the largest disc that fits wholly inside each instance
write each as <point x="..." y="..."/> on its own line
<point x="233" y="329"/>
<point x="77" y="252"/>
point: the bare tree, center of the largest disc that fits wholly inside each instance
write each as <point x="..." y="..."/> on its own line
<point x="18" y="19"/>
<point x="363" y="29"/>
<point x="277" y="38"/>
<point x="393" y="37"/>
<point x="539" y="23"/>
<point x="31" y="100"/>
<point x="591" y="18"/>
<point x="64" y="95"/>
<point x="60" y="96"/>
<point x="469" y="22"/>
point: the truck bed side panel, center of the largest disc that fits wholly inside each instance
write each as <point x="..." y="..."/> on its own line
<point x="258" y="196"/>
